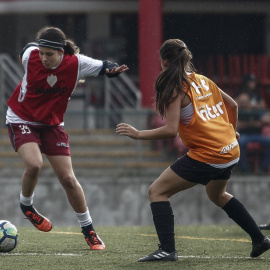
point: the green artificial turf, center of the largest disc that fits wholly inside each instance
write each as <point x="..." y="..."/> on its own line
<point x="199" y="247"/>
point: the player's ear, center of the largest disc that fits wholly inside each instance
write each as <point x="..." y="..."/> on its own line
<point x="61" y="52"/>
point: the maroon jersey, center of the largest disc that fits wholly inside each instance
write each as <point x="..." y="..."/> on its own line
<point x="43" y="94"/>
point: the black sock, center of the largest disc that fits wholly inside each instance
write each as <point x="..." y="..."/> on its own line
<point x="88" y="228"/>
<point x="164" y="222"/>
<point x="26" y="208"/>
<point x="239" y="214"/>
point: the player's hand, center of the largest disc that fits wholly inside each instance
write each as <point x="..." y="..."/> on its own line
<point x="117" y="70"/>
<point x="127" y="130"/>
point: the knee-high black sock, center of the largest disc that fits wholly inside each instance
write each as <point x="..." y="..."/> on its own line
<point x="239" y="214"/>
<point x="164" y="222"/>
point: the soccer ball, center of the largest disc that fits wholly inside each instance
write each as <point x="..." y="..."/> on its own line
<point x="8" y="236"/>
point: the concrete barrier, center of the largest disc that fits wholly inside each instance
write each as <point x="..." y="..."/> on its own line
<point x="124" y="201"/>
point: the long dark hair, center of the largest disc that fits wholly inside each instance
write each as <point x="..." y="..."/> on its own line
<point x="57" y="35"/>
<point x="172" y="78"/>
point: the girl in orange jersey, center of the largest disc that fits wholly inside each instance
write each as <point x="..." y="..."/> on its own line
<point x="201" y="114"/>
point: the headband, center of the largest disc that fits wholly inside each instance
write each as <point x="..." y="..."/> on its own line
<point x="50" y="44"/>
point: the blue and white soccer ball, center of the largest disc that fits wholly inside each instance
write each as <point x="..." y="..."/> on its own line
<point x="8" y="236"/>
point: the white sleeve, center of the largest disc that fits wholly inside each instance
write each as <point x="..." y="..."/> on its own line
<point x="88" y="66"/>
<point x="26" y="55"/>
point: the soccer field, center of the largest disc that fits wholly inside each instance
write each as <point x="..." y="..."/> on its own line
<point x="199" y="247"/>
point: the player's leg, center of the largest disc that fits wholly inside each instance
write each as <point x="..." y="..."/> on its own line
<point x="25" y="140"/>
<point x="62" y="166"/>
<point x="166" y="185"/>
<point x="32" y="158"/>
<point x="216" y="191"/>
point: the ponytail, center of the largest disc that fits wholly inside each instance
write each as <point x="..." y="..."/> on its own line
<point x="70" y="47"/>
<point x="169" y="83"/>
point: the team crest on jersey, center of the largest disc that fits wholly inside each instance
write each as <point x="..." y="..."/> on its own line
<point x="51" y="80"/>
<point x="62" y="144"/>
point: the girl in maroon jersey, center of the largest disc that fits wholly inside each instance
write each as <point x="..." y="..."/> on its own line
<point x="53" y="68"/>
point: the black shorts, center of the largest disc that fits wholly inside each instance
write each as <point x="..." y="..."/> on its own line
<point x="199" y="172"/>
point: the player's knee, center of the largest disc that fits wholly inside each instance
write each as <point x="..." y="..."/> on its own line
<point x="33" y="168"/>
<point x="68" y="181"/>
<point x="152" y="193"/>
<point x="217" y="199"/>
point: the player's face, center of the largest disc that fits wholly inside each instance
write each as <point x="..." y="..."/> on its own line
<point x="49" y="57"/>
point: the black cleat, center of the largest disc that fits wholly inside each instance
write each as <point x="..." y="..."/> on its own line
<point x="93" y="240"/>
<point x="160" y="255"/>
<point x="260" y="248"/>
<point x="265" y="227"/>
<point x="40" y="222"/>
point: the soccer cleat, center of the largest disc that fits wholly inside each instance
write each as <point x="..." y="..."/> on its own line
<point x="160" y="255"/>
<point x="260" y="248"/>
<point x="265" y="227"/>
<point x="93" y="240"/>
<point x="39" y="221"/>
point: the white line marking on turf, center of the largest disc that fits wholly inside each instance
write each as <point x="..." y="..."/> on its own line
<point x="220" y="257"/>
<point x="40" y="254"/>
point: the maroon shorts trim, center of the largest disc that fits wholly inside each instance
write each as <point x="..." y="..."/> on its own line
<point x="52" y="140"/>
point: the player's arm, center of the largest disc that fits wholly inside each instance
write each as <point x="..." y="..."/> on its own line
<point x="89" y="66"/>
<point x="169" y="130"/>
<point x="232" y="108"/>
<point x="111" y="69"/>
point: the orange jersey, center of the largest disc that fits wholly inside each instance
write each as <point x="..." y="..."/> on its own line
<point x="209" y="135"/>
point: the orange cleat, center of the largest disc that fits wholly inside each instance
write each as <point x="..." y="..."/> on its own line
<point x="39" y="221"/>
<point x="94" y="241"/>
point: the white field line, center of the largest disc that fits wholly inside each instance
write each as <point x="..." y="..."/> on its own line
<point x="222" y="257"/>
<point x="40" y="254"/>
